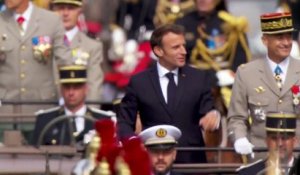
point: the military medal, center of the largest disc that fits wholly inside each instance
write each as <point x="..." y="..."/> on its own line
<point x="296" y="94"/>
<point x="42" y="48"/>
<point x="259" y="114"/>
<point x="80" y="57"/>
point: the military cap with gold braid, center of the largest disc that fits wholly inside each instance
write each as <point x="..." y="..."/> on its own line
<point x="281" y="122"/>
<point x="274" y="23"/>
<point x="73" y="2"/>
<point x="72" y="74"/>
<point x="160" y="137"/>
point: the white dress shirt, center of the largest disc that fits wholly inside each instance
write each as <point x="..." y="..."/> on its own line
<point x="163" y="79"/>
<point x="71" y="33"/>
<point x="26" y="15"/>
<point x="283" y="65"/>
<point x="79" y="120"/>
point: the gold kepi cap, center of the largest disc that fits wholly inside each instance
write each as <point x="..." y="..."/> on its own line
<point x="72" y="2"/>
<point x="281" y="122"/>
<point x="274" y="23"/>
<point x="72" y="74"/>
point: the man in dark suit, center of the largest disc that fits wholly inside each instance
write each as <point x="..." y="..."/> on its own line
<point x="281" y="140"/>
<point x="183" y="101"/>
<point x="160" y="141"/>
<point x="74" y="90"/>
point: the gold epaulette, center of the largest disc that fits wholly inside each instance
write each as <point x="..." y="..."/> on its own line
<point x="239" y="23"/>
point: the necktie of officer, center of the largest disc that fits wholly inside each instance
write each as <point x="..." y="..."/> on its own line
<point x="171" y="90"/>
<point x="66" y="40"/>
<point x="278" y="79"/>
<point x="20" y="21"/>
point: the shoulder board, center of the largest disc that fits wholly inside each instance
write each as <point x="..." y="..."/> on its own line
<point x="102" y="112"/>
<point x="250" y="164"/>
<point x="43" y="111"/>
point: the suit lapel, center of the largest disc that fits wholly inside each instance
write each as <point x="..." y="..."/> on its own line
<point x="75" y="43"/>
<point x="181" y="86"/>
<point x="88" y="125"/>
<point x="12" y="25"/>
<point x="267" y="76"/>
<point x="33" y="24"/>
<point x="157" y="88"/>
<point x="292" y="76"/>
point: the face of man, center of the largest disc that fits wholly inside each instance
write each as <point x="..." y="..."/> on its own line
<point x="278" y="45"/>
<point x="69" y="14"/>
<point x="206" y="6"/>
<point x="283" y="143"/>
<point x="162" y="160"/>
<point x="18" y="6"/>
<point x="172" y="52"/>
<point x="74" y="95"/>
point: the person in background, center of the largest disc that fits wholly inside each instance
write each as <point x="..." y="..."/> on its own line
<point x="264" y="85"/>
<point x="281" y="141"/>
<point x="85" y="51"/>
<point x="74" y="89"/>
<point x="215" y="39"/>
<point x="161" y="141"/>
<point x="170" y="92"/>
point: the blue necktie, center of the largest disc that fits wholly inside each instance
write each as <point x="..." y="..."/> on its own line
<point x="171" y="90"/>
<point x="278" y="70"/>
<point x="278" y="79"/>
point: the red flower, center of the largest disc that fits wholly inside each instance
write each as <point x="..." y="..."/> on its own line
<point x="295" y="89"/>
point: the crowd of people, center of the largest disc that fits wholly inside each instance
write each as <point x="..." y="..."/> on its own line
<point x="182" y="70"/>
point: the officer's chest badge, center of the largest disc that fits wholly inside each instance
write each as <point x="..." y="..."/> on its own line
<point x="161" y="132"/>
<point x="260" y="89"/>
<point x="80" y="57"/>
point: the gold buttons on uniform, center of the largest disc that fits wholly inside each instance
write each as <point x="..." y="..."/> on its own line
<point x="280" y="101"/>
<point x="22" y="61"/>
<point x="22" y="75"/>
<point x="23" y="47"/>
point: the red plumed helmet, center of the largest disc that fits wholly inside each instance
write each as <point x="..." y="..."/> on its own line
<point x="109" y="147"/>
<point x="136" y="156"/>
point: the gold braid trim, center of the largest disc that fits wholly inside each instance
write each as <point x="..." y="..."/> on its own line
<point x="234" y="28"/>
<point x="239" y="26"/>
<point x="164" y="14"/>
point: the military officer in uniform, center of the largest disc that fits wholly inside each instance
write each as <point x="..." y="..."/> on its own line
<point x="85" y="51"/>
<point x="74" y="90"/>
<point x="281" y="140"/>
<point x="264" y="85"/>
<point x="160" y="141"/>
<point x="31" y="45"/>
<point x="30" y="40"/>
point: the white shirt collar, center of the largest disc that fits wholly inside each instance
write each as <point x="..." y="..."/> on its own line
<point x="162" y="70"/>
<point x="80" y="112"/>
<point x="71" y="33"/>
<point x="26" y="15"/>
<point x="283" y="65"/>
